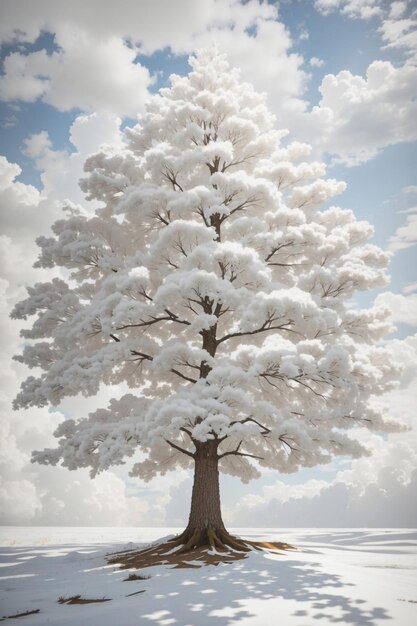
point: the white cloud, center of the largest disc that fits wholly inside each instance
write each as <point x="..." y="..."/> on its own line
<point x="375" y="491"/>
<point x="95" y="68"/>
<point x="281" y="78"/>
<point x="327" y="6"/>
<point x="363" y="9"/>
<point x="403" y="308"/>
<point x="24" y="76"/>
<point x="410" y="189"/>
<point x="337" y="506"/>
<point x="358" y="116"/>
<point x="61" y="170"/>
<point x="24" y="194"/>
<point x="151" y="25"/>
<point x="94" y="65"/>
<point x="397" y="29"/>
<point x="397" y="9"/>
<point x="400" y="34"/>
<point x="304" y="35"/>
<point x="85" y="73"/>
<point x="405" y="236"/>
<point x="316" y="62"/>
<point x="410" y="288"/>
<point x="37" y="145"/>
<point x="24" y="216"/>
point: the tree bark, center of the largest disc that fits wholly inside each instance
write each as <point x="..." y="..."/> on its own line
<point x="205" y="526"/>
<point x="205" y="500"/>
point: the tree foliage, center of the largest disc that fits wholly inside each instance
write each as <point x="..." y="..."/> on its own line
<point x="211" y="282"/>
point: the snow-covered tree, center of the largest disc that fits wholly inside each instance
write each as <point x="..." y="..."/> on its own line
<point x="213" y="285"/>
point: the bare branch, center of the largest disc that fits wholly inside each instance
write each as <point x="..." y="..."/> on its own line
<point x="142" y="355"/>
<point x="254" y="421"/>
<point x="171" y="317"/>
<point x="187" y="378"/>
<point x="153" y="320"/>
<point x="282" y="245"/>
<point x="264" y="328"/>
<point x="183" y="450"/>
<point x="234" y="453"/>
<point x="237" y="453"/>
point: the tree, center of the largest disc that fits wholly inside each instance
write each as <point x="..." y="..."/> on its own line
<point x="211" y="284"/>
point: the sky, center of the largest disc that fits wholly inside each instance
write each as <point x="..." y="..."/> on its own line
<point x="340" y="75"/>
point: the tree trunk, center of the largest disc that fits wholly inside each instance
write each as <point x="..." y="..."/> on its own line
<point x="205" y="525"/>
<point x="205" y="500"/>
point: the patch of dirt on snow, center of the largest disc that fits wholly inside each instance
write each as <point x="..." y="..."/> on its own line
<point x="80" y="600"/>
<point x="135" y="577"/>
<point x="19" y="615"/>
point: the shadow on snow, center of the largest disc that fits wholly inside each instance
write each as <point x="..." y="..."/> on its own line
<point x="221" y="596"/>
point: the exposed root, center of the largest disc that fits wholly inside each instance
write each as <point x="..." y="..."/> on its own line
<point x="214" y="541"/>
<point x="194" y="542"/>
<point x="194" y="548"/>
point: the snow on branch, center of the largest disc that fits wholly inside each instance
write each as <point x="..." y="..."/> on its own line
<point x="213" y="285"/>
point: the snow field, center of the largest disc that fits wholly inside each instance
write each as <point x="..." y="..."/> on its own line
<point x="358" y="577"/>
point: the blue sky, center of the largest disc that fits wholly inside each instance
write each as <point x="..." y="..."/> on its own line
<point x="339" y="74"/>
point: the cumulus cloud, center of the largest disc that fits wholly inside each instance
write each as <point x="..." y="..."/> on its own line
<point x="95" y="65"/>
<point x="316" y="62"/>
<point x="410" y="189"/>
<point x="337" y="506"/>
<point x="358" y="116"/>
<point x="397" y="9"/>
<point x="61" y="169"/>
<point x="397" y="21"/>
<point x="85" y="73"/>
<point x="281" y="78"/>
<point x="24" y="215"/>
<point x="400" y="34"/>
<point x="375" y="491"/>
<point x="410" y="288"/>
<point x="363" y="9"/>
<point x="151" y="26"/>
<point x="405" y="236"/>
<point x="403" y="308"/>
<point x="27" y="212"/>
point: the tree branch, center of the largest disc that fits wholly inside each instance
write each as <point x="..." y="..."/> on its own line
<point x="183" y="450"/>
<point x="171" y="317"/>
<point x="282" y="245"/>
<point x="237" y="453"/>
<point x="262" y="329"/>
<point x="251" y="419"/>
<point x="234" y="453"/>
<point x="144" y="357"/>
<point x="185" y="430"/>
<point x="187" y="378"/>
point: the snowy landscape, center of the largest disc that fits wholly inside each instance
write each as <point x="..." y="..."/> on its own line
<point x="209" y="312"/>
<point x="366" y="577"/>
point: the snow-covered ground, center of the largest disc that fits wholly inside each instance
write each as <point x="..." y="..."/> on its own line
<point x="350" y="576"/>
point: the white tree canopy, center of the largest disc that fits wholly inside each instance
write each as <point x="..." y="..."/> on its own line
<point x="212" y="283"/>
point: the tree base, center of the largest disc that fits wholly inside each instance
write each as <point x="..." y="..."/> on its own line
<point x="194" y="548"/>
